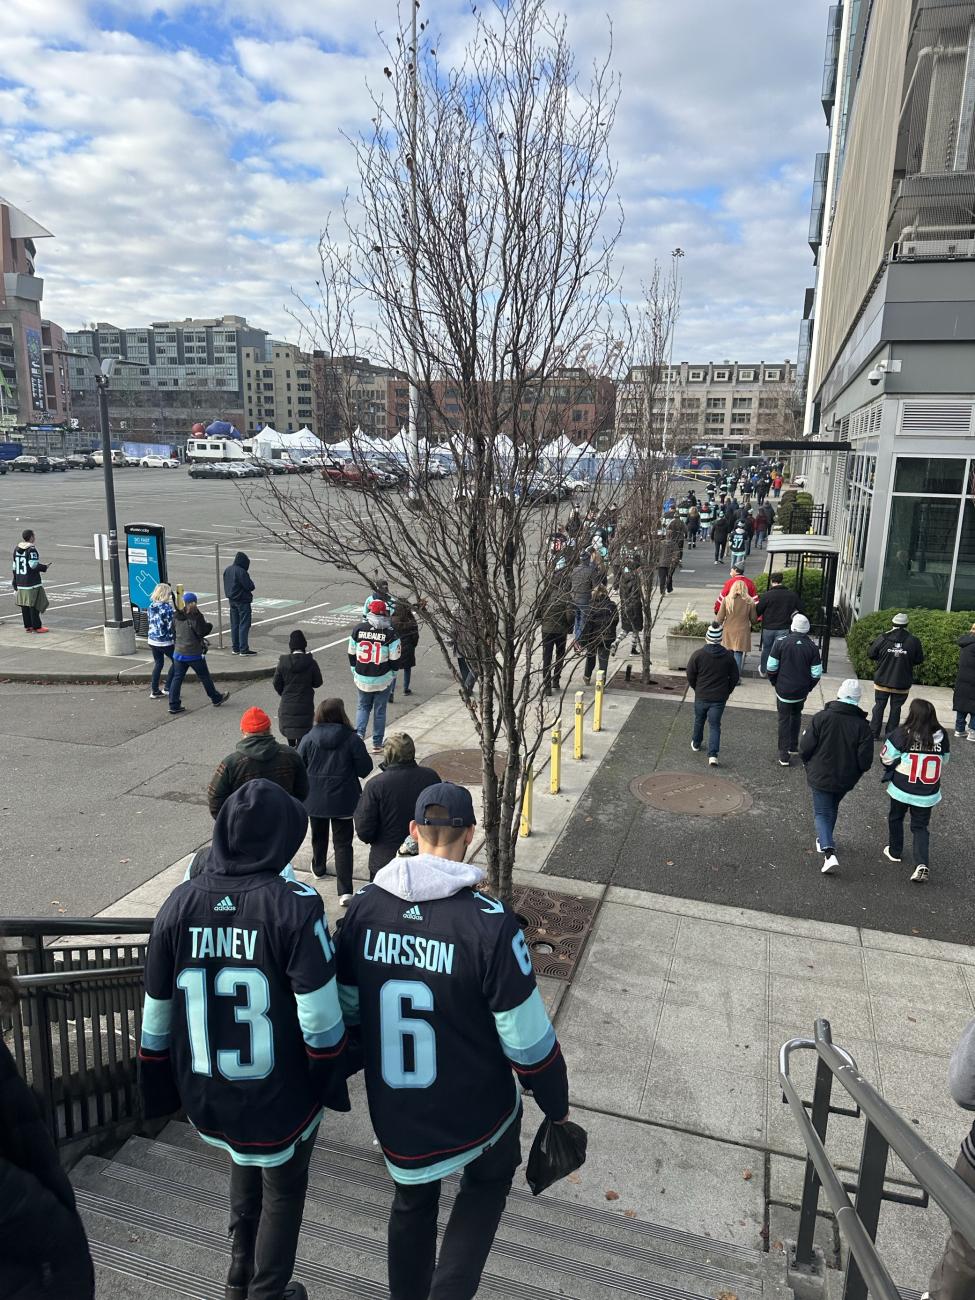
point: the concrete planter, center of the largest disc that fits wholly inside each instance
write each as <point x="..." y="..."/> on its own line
<point x="680" y="649"/>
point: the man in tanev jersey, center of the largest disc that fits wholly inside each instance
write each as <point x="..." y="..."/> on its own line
<point x="436" y="981"/>
<point x="242" y="1025"/>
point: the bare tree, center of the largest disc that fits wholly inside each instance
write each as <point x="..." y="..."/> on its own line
<point x="476" y="260"/>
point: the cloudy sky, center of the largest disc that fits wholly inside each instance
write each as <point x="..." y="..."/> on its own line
<point x="186" y="153"/>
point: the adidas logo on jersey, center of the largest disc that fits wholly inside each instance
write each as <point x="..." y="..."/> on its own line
<point x="226" y="904"/>
<point x="413" y="914"/>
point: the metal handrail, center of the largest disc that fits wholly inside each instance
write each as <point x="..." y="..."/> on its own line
<point x="34" y="927"/>
<point x="885" y="1131"/>
<point x="28" y="982"/>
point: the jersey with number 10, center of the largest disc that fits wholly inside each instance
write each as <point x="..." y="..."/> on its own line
<point x="445" y="997"/>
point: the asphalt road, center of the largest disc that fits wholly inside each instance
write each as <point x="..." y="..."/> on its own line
<point x="101" y="788"/>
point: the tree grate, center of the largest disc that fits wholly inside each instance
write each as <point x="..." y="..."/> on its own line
<point x="556" y="928"/>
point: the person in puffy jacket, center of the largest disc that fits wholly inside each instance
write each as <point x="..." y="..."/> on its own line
<point x="598" y="632"/>
<point x="408" y="630"/>
<point x="896" y="653"/>
<point x="257" y="756"/>
<point x="43" y="1248"/>
<point x="388" y="803"/>
<point x="631" y="606"/>
<point x="794" y="667"/>
<point x="915" y="755"/>
<point x="953" y="1277"/>
<point x="963" y="701"/>
<point x="556" y="615"/>
<point x="238" y="587"/>
<point x="189" y="651"/>
<point x="295" y="679"/>
<point x="581" y="582"/>
<point x="712" y="674"/>
<point x="775" y="608"/>
<point x="162" y="636"/>
<point x="719" y="535"/>
<point x="336" y="760"/>
<point x="837" y="750"/>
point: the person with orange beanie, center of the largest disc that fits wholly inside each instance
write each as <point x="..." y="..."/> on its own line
<point x="257" y="754"/>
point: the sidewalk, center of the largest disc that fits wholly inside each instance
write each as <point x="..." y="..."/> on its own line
<point x="66" y="657"/>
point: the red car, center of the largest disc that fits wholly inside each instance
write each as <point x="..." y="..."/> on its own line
<point x="350" y="474"/>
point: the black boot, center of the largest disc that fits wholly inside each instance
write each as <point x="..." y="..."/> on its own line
<point x="241" y="1260"/>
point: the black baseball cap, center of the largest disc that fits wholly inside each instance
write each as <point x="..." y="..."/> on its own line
<point x="455" y="798"/>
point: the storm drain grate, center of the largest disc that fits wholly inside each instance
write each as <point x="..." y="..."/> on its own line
<point x="556" y="928"/>
<point x="462" y="766"/>
<point x="691" y="795"/>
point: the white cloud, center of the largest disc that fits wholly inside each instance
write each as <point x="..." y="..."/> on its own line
<point x="189" y="173"/>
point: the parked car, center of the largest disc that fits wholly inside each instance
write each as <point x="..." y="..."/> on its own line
<point x="119" y="458"/>
<point x="268" y="466"/>
<point x="205" y="470"/>
<point x="30" y="464"/>
<point x="81" y="460"/>
<point x="57" y="464"/>
<point x="159" y="462"/>
<point x="351" y="473"/>
<point x="3" y="467"/>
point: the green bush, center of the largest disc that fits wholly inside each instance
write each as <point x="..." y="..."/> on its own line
<point x="812" y="585"/>
<point x="795" y="512"/>
<point x="936" y="629"/>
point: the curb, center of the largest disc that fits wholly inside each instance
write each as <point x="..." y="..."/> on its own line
<point x="136" y="676"/>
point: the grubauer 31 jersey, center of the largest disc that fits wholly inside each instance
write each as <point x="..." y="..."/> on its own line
<point x="242" y="1020"/>
<point x="444" y="997"/>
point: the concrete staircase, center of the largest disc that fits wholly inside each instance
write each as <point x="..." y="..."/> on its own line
<point x="156" y="1216"/>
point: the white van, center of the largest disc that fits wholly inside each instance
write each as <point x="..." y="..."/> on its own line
<point x="118" y="458"/>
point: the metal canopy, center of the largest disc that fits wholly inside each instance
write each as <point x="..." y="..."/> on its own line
<point x="809" y="544"/>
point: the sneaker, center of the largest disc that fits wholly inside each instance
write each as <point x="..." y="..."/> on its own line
<point x="889" y="856"/>
<point x="713" y="761"/>
<point x="235" y="652"/>
<point x="407" y="692"/>
<point x="221" y="699"/>
<point x="784" y="760"/>
<point x="585" y="681"/>
<point x="696" y="748"/>
<point x="39" y="630"/>
<point x="819" y="847"/>
<point x="28" y="629"/>
<point x="971" y="737"/>
<point x="248" y="652"/>
<point x="761" y="672"/>
<point x="345" y="900"/>
<point x="180" y="708"/>
<point x="920" y="874"/>
<point x="156" y="695"/>
<point x="831" y="863"/>
<point x="960" y="734"/>
<point x="377" y="749"/>
<point x="294" y="1291"/>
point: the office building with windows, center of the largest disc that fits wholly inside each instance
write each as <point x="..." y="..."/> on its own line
<point x="278" y="388"/>
<point x="891" y="367"/>
<point x="176" y="373"/>
<point x="727" y="403"/>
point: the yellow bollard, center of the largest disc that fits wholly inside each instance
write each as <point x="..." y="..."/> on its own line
<point x="179" y="595"/>
<point x="526" y="803"/>
<point x="577" y="749"/>
<point x="555" y="766"/>
<point x="597" y="708"/>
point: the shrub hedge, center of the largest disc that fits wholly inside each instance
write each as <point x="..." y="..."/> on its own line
<point x="936" y="629"/>
<point x="812" y="585"/>
<point x="794" y="514"/>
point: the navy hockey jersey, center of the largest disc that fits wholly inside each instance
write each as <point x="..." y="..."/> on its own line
<point x="916" y="773"/>
<point x="241" y="1021"/>
<point x="444" y="995"/>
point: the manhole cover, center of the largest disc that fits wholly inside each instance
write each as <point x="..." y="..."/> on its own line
<point x="690" y="794"/>
<point x="462" y="766"/>
<point x="556" y="928"/>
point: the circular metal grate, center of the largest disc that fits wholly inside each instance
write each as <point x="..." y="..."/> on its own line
<point x="690" y="794"/>
<point x="462" y="766"/>
<point x="556" y="927"/>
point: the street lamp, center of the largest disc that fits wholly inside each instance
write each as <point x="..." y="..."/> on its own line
<point x="119" y="631"/>
<point x="676" y="255"/>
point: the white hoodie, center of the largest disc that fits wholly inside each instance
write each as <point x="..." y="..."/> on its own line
<point x="423" y="878"/>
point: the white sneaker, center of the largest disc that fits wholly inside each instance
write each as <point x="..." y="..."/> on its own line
<point x="920" y="874"/>
<point x="889" y="856"/>
<point x="971" y="737"/>
<point x="696" y="748"/>
<point x="830" y="865"/>
<point x="819" y="847"/>
<point x="713" y="762"/>
<point x="345" y="900"/>
<point x="959" y="734"/>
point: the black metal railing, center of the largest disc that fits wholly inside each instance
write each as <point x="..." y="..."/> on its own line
<point x="74" y="1032"/>
<point x="884" y="1131"/>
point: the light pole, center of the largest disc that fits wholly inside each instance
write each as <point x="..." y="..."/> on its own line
<point x="676" y="255"/>
<point x="119" y="630"/>
<point x="413" y="449"/>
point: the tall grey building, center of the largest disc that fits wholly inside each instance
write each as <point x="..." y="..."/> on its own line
<point x="891" y="346"/>
<point x="181" y="372"/>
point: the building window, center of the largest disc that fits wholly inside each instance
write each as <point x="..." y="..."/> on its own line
<point x="722" y="376"/>
<point x="714" y="417"/>
<point x="716" y="403"/>
<point x="742" y="403"/>
<point x="920" y="550"/>
<point x="746" y="376"/>
<point x="773" y="376"/>
<point x="741" y="417"/>
<point x="930" y="475"/>
<point x="963" y="596"/>
<point x="696" y="376"/>
<point x="691" y="404"/>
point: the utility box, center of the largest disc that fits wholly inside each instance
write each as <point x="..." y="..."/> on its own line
<point x="145" y="558"/>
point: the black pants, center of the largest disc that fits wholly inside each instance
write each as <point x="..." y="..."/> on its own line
<point x="719" y="550"/>
<point x="881" y="698"/>
<point x="665" y="577"/>
<point x="274" y="1200"/>
<point x="342" y="828"/>
<point x="469" y="1233"/>
<point x="920" y="820"/>
<point x="32" y="620"/>
<point x="790" y="720"/>
<point x="553" y="645"/>
<point x="602" y="654"/>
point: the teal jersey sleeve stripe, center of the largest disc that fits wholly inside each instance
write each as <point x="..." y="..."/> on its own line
<point x="349" y="1002"/>
<point x="320" y="1016"/>
<point x="526" y="1032"/>
<point x="772" y="666"/>
<point x="817" y="670"/>
<point x="157" y="1016"/>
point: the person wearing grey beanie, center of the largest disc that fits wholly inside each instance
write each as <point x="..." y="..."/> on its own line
<point x="836" y="750"/>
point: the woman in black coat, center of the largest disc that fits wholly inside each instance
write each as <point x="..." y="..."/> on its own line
<point x="335" y="758"/>
<point x="295" y="679"/>
<point x="408" y="631"/>
<point x="964" y="700"/>
<point x="43" y="1248"/>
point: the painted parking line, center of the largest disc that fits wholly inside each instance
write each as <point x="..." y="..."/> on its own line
<point x="292" y="613"/>
<point x="341" y="641"/>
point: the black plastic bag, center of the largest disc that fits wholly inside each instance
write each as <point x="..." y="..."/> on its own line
<point x="558" y="1150"/>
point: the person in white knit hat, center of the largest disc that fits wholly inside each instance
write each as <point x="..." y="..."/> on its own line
<point x="837" y="749"/>
<point x="794" y="667"/>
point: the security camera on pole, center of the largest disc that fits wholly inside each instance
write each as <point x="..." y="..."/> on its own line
<point x="119" y="631"/>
